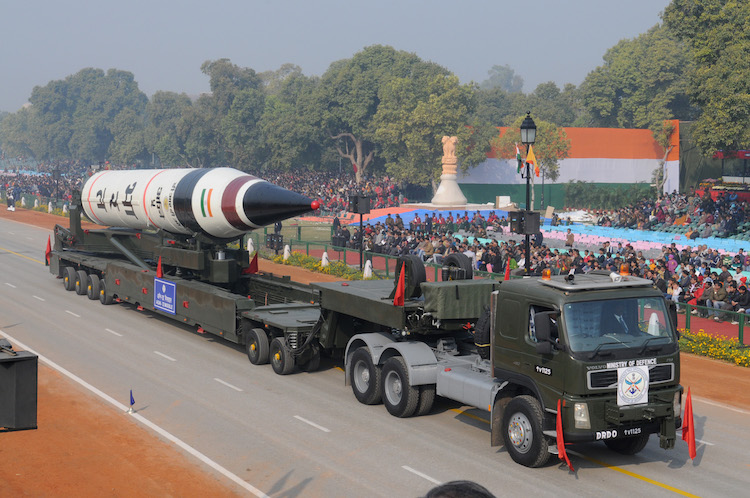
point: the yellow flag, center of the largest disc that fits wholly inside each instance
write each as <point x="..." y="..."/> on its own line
<point x="531" y="158"/>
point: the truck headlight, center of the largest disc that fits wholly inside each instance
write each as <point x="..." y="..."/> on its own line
<point x="581" y="415"/>
<point x="677" y="404"/>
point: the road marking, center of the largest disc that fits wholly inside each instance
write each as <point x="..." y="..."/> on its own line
<point x="420" y="474"/>
<point x="721" y="405"/>
<point x="113" y="332"/>
<point x="466" y="413"/>
<point x="21" y="255"/>
<point x="312" y="423"/>
<point x="143" y="420"/>
<point x="39" y="298"/>
<point x="10" y="285"/>
<point x="165" y="356"/>
<point x="679" y="429"/>
<point x="633" y="474"/>
<point x="71" y="313"/>
<point x="228" y="384"/>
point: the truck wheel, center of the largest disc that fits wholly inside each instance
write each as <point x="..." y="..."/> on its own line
<point x="257" y="347"/>
<point x="628" y="445"/>
<point x="69" y="278"/>
<point x="365" y="377"/>
<point x="313" y="363"/>
<point x="104" y="297"/>
<point x="92" y="290"/>
<point x="426" y="399"/>
<point x="399" y="397"/>
<point x="461" y="261"/>
<point x="82" y="282"/>
<point x="524" y="440"/>
<point x="282" y="360"/>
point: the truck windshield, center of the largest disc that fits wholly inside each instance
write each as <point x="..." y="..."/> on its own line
<point x="599" y="327"/>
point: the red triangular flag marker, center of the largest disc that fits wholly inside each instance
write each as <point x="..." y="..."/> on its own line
<point x="507" y="269"/>
<point x="688" y="429"/>
<point x="159" y="273"/>
<point x="254" y="264"/>
<point x="398" y="298"/>
<point x="560" y="441"/>
<point x="48" y="250"/>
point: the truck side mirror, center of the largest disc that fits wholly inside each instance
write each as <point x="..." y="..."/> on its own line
<point x="542" y="327"/>
<point x="544" y="347"/>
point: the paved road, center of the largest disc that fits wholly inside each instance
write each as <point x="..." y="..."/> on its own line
<point x="305" y="434"/>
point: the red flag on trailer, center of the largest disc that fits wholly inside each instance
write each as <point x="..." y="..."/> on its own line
<point x="398" y="298"/>
<point x="560" y="441"/>
<point x="159" y="273"/>
<point x="254" y="264"/>
<point x="507" y="269"/>
<point x="688" y="429"/>
<point x="48" y="250"/>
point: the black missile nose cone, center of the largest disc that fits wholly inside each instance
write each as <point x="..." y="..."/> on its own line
<point x="266" y="203"/>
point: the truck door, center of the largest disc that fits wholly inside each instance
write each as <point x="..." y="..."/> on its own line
<point x="545" y="369"/>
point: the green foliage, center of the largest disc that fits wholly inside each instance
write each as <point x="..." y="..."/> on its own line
<point x="718" y="348"/>
<point x="585" y="195"/>
<point x="552" y="144"/>
<point x="642" y="83"/>
<point x="336" y="268"/>
<point x="503" y="77"/>
<point x="717" y="35"/>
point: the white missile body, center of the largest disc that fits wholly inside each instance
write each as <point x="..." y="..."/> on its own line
<point x="222" y="203"/>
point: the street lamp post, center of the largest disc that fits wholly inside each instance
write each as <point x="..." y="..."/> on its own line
<point x="528" y="137"/>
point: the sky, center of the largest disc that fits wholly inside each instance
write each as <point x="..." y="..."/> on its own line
<point x="163" y="43"/>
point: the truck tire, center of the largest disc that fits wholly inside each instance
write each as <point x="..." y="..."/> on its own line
<point x="104" y="297"/>
<point x="365" y="377"/>
<point x="459" y="260"/>
<point x="522" y="432"/>
<point x="82" y="282"/>
<point x="399" y="398"/>
<point x="482" y="335"/>
<point x="92" y="289"/>
<point x="69" y="278"/>
<point x="628" y="445"/>
<point x="313" y="363"/>
<point x="426" y="399"/>
<point x="257" y="347"/>
<point x="282" y="360"/>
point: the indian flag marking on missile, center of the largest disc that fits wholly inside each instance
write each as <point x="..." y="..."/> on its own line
<point x="206" y="202"/>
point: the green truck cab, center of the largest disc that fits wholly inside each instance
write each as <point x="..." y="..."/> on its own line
<point x="604" y="345"/>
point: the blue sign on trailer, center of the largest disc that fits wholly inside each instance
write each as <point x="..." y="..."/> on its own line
<point x="165" y="295"/>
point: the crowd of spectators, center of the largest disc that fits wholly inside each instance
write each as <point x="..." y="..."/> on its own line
<point x="707" y="217"/>
<point x="333" y="190"/>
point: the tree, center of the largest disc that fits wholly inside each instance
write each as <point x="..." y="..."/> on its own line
<point x="642" y="83"/>
<point x="716" y="33"/>
<point x="551" y="145"/>
<point x="164" y="112"/>
<point x="348" y="98"/>
<point x="503" y="77"/>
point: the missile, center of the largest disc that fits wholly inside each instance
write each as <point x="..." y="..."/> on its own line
<point x="222" y="203"/>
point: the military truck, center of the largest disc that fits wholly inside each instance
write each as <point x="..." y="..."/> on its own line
<point x="602" y="345"/>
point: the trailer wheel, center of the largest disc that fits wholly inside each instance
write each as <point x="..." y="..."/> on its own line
<point x="92" y="290"/>
<point x="628" y="445"/>
<point x="282" y="360"/>
<point x="313" y="363"/>
<point x="104" y="297"/>
<point x="69" y="278"/>
<point x="257" y="347"/>
<point x="365" y="377"/>
<point x="399" y="397"/>
<point x="426" y="399"/>
<point x="82" y="282"/>
<point x="524" y="439"/>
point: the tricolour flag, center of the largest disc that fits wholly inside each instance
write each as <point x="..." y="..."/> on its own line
<point x="518" y="159"/>
<point x="531" y="159"/>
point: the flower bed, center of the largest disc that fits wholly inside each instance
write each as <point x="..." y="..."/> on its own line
<point x="719" y="348"/>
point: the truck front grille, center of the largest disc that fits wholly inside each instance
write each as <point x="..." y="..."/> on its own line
<point x="607" y="379"/>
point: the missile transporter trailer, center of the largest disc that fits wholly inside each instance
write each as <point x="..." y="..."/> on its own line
<point x="600" y="349"/>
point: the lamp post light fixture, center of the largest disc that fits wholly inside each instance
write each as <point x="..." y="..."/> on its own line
<point x="528" y="137"/>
